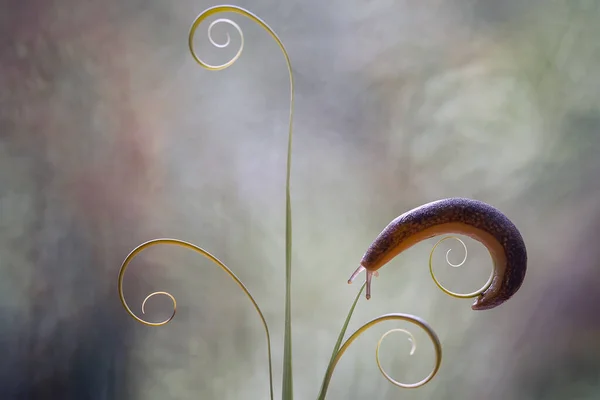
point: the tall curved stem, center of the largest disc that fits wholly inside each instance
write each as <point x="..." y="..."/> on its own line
<point x="287" y="384"/>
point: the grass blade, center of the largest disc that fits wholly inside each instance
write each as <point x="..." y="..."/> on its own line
<point x="338" y="344"/>
<point x="287" y="381"/>
<point x="288" y="384"/>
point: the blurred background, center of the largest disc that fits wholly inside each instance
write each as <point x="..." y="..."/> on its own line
<point x="111" y="135"/>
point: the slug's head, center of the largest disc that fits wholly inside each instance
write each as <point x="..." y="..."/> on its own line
<point x="370" y="275"/>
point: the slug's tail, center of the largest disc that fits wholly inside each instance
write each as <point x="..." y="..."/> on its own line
<point x="488" y="300"/>
<point x="370" y="275"/>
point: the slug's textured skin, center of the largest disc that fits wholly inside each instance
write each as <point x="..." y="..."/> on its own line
<point x="472" y="218"/>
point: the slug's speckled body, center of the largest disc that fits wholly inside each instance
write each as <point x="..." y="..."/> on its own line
<point x="468" y="217"/>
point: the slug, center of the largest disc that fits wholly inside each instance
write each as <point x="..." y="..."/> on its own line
<point x="468" y="217"/>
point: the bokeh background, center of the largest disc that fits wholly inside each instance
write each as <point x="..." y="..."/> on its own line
<point x="111" y="135"/>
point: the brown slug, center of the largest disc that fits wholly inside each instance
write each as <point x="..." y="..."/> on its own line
<point x="463" y="216"/>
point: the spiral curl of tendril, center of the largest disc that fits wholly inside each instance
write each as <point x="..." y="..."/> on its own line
<point x="206" y="254"/>
<point x="411" y="339"/>
<point x="391" y="317"/>
<point x="444" y="289"/>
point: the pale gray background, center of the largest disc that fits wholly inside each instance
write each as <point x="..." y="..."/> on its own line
<point x="111" y="135"/>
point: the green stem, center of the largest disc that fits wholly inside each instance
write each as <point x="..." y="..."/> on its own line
<point x="287" y="381"/>
<point x="338" y="344"/>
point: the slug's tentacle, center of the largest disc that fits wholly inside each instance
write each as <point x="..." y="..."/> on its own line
<point x="468" y="217"/>
<point x="391" y="317"/>
<point x="370" y="275"/>
<point x="212" y="258"/>
<point x="356" y="273"/>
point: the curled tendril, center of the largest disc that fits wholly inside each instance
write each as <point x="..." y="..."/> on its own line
<point x="164" y="294"/>
<point x="449" y="250"/>
<point x="442" y="288"/>
<point x="206" y="254"/>
<point x="218" y="45"/>
<point x="391" y="317"/>
<point x="222" y="46"/>
<point x="237" y="10"/>
<point x="413" y="342"/>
